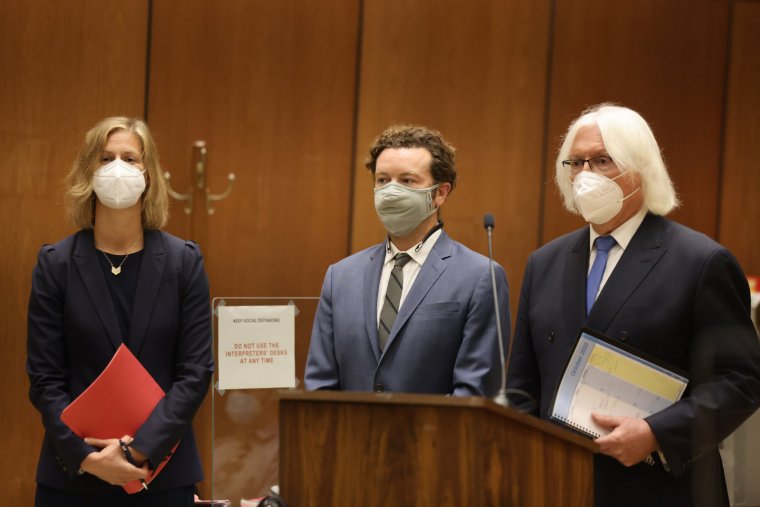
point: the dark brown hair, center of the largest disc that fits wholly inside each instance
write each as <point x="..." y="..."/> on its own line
<point x="442" y="168"/>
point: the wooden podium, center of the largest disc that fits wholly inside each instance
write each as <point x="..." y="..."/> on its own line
<point x="387" y="449"/>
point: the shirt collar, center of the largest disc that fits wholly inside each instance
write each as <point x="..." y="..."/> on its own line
<point x="625" y="231"/>
<point x="418" y="255"/>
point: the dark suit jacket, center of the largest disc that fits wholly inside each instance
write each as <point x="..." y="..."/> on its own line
<point x="676" y="295"/>
<point x="74" y="332"/>
<point x="444" y="339"/>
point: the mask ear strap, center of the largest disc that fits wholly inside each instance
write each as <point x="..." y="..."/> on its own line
<point x="629" y="195"/>
<point x="437" y="226"/>
<point x="619" y="175"/>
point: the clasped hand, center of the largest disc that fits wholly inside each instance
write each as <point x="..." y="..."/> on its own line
<point x="630" y="441"/>
<point x="109" y="464"/>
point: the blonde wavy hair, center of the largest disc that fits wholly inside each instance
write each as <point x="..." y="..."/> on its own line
<point x="80" y="197"/>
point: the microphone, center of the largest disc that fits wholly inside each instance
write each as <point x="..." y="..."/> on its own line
<point x="500" y="398"/>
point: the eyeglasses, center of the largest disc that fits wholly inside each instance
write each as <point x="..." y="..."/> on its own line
<point x="602" y="165"/>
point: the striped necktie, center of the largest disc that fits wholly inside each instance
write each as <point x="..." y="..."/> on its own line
<point x="392" y="299"/>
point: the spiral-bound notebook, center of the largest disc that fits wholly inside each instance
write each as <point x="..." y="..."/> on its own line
<point x="609" y="377"/>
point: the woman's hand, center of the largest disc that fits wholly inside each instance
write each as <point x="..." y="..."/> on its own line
<point x="109" y="464"/>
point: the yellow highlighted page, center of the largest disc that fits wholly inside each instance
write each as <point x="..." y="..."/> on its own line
<point x="633" y="372"/>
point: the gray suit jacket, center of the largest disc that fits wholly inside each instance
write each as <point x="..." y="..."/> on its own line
<point x="444" y="339"/>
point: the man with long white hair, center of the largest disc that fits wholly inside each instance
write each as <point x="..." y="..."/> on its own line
<point x="664" y="289"/>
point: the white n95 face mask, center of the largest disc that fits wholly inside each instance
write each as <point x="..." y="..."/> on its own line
<point x="401" y="209"/>
<point x="598" y="197"/>
<point x="118" y="184"/>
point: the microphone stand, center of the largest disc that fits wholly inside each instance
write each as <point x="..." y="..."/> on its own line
<point x="501" y="397"/>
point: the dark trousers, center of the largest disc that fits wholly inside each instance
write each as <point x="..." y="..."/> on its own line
<point x="178" y="497"/>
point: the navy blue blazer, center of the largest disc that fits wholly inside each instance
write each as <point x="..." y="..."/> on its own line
<point x="73" y="332"/>
<point x="676" y="295"/>
<point x="443" y="341"/>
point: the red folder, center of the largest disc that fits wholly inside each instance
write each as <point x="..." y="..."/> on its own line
<point x="117" y="403"/>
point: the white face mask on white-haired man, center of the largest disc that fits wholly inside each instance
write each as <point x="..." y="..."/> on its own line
<point x="651" y="284"/>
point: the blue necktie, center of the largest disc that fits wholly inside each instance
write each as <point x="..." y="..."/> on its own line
<point x="603" y="245"/>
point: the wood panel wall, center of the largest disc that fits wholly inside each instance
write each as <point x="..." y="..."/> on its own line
<point x="740" y="182"/>
<point x="663" y="59"/>
<point x="269" y="86"/>
<point x="64" y="69"/>
<point x="288" y="95"/>
<point x="477" y="73"/>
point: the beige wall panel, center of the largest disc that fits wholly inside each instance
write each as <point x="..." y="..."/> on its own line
<point x="476" y="71"/>
<point x="740" y="203"/>
<point x="664" y="59"/>
<point x="270" y="86"/>
<point x="65" y="66"/>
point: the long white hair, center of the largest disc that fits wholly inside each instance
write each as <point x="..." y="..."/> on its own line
<point x="631" y="144"/>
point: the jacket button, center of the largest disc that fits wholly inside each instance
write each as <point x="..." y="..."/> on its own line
<point x="624" y="336"/>
<point x="551" y="336"/>
<point x="379" y="388"/>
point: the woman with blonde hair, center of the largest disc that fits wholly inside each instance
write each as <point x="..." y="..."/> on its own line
<point x="118" y="280"/>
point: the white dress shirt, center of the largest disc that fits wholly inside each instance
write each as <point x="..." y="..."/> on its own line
<point x="623" y="235"/>
<point x="411" y="269"/>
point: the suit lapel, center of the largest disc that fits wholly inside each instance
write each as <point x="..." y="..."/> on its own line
<point x="148" y="285"/>
<point x="434" y="266"/>
<point x="574" y="285"/>
<point x="371" y="282"/>
<point x="91" y="273"/>
<point x="643" y="252"/>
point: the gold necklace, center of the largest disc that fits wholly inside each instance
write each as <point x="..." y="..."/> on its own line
<point x="115" y="270"/>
